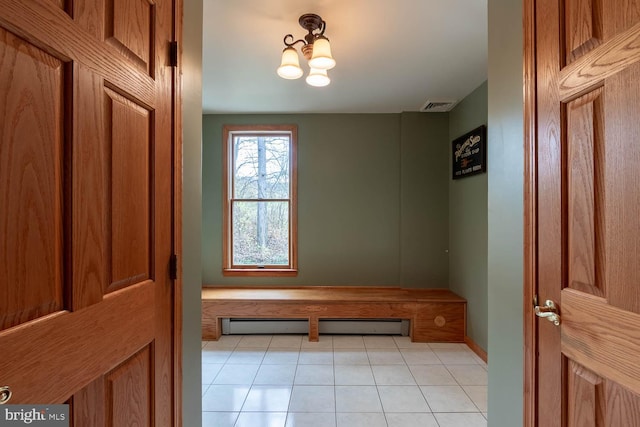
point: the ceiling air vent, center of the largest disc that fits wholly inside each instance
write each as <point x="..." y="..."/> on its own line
<point x="437" y="106"/>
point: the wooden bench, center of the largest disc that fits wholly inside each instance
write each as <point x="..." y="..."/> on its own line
<point x="435" y="315"/>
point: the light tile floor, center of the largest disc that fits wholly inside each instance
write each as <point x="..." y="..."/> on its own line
<point x="341" y="381"/>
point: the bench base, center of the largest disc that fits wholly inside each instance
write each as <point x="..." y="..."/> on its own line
<point x="435" y="315"/>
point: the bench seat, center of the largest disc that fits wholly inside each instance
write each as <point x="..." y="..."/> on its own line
<point x="435" y="315"/>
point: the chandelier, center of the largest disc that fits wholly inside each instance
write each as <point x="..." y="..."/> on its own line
<point x="315" y="48"/>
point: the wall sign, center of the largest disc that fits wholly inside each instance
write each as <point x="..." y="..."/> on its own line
<point x="469" y="155"/>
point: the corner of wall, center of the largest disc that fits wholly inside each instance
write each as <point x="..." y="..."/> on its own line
<point x="468" y="222"/>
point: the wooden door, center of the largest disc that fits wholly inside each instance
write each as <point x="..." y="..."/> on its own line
<point x="86" y="301"/>
<point x="588" y="215"/>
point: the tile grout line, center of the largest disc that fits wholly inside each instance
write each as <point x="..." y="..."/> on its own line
<point x="462" y="386"/>
<point x="372" y="346"/>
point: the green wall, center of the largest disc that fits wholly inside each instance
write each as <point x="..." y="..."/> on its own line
<point x="192" y="214"/>
<point x="505" y="201"/>
<point x="468" y="222"/>
<point x="424" y="200"/>
<point x="372" y="199"/>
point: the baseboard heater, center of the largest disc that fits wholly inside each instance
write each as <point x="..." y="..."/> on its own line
<point x="329" y="326"/>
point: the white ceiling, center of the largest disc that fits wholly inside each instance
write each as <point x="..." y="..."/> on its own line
<point x="392" y="55"/>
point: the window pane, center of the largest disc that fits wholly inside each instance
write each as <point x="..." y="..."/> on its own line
<point x="261" y="167"/>
<point x="260" y="233"/>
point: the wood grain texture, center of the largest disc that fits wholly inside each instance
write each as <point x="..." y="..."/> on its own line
<point x="89" y="187"/>
<point x="421" y="306"/>
<point x="32" y="116"/>
<point x="622" y="191"/>
<point x="622" y="406"/>
<point x="293" y="205"/>
<point x="584" y="171"/>
<point x="583" y="27"/>
<point x="550" y="244"/>
<point x="130" y="392"/>
<point x="130" y="29"/>
<point x="328" y="293"/>
<point x="226" y="193"/>
<point x="314" y="328"/>
<point x="38" y="20"/>
<point x="211" y="324"/>
<point x="95" y="339"/>
<point x="611" y="57"/>
<point x="602" y="338"/>
<point x="66" y="351"/>
<point x="89" y="14"/>
<point x="620" y="17"/>
<point x="259" y="272"/>
<point x="428" y="324"/>
<point x="163" y="170"/>
<point x="256" y="308"/>
<point x="130" y="127"/>
<point x="585" y="396"/>
<point x="62" y="4"/>
<point x="587" y="221"/>
<point x="88" y="406"/>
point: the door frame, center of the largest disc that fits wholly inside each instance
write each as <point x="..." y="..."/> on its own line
<point x="530" y="215"/>
<point x="177" y="213"/>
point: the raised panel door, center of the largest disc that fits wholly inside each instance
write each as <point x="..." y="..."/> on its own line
<point x="86" y="208"/>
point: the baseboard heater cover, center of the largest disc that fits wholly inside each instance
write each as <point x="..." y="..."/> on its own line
<point x="241" y="326"/>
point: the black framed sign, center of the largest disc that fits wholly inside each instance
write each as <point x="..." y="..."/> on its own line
<point x="468" y="153"/>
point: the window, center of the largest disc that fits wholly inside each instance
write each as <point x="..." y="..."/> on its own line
<point x="260" y="221"/>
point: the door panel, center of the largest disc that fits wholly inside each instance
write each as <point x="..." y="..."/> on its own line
<point x="584" y="193"/>
<point x="130" y="30"/>
<point x="90" y="187"/>
<point x="622" y="195"/>
<point x="622" y="406"/>
<point x="89" y="15"/>
<point x="31" y="181"/>
<point x="588" y="84"/>
<point x="130" y="128"/>
<point x="621" y="17"/>
<point x="87" y="304"/>
<point x="129" y="391"/>
<point x="584" y="27"/>
<point x="586" y="389"/>
<point x="88" y="405"/>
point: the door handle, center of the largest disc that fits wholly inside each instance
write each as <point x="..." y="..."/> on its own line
<point x="549" y="311"/>
<point x="5" y="394"/>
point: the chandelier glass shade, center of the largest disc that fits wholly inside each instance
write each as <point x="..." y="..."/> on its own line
<point x="321" y="58"/>
<point x="290" y="66"/>
<point x="318" y="78"/>
<point x="315" y="48"/>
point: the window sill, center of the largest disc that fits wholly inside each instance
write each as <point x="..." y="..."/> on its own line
<point x="260" y="272"/>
